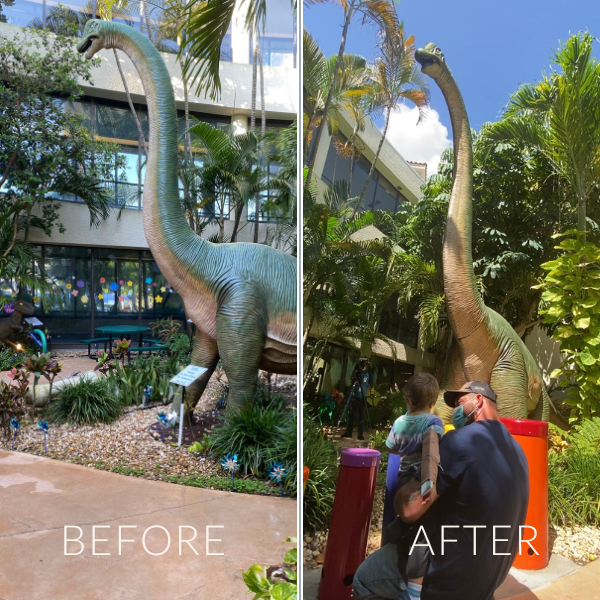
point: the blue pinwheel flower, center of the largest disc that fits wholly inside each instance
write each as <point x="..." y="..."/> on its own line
<point x="148" y="279"/>
<point x="114" y="287"/>
<point x="43" y="425"/>
<point x="277" y="472"/>
<point x="168" y="420"/>
<point x="14" y="424"/>
<point x="230" y="463"/>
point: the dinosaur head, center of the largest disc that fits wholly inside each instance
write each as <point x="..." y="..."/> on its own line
<point x="24" y="307"/>
<point x="431" y="60"/>
<point x="94" y="37"/>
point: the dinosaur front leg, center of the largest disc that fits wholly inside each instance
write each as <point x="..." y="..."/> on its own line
<point x="204" y="354"/>
<point x="241" y="335"/>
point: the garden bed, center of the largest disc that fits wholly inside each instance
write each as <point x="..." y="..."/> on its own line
<point x="579" y="544"/>
<point x="127" y="446"/>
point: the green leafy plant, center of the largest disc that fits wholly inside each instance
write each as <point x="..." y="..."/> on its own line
<point x="197" y="448"/>
<point x="574" y="476"/>
<point x="10" y="359"/>
<point x="277" y="584"/>
<point x="166" y="328"/>
<point x="259" y="436"/>
<point x="320" y="456"/>
<point x="86" y="402"/>
<point x="571" y="308"/>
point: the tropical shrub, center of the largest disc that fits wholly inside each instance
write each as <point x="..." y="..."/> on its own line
<point x="259" y="436"/>
<point x="86" y="402"/>
<point x="10" y="359"/>
<point x="571" y="308"/>
<point x="10" y="405"/>
<point x="320" y="456"/>
<point x="574" y="475"/>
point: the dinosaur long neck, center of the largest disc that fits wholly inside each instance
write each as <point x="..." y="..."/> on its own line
<point x="173" y="244"/>
<point x="465" y="305"/>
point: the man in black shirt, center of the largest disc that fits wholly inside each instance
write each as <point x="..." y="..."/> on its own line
<point x="473" y="521"/>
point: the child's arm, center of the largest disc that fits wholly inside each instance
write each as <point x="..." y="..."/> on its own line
<point x="429" y="462"/>
<point x="391" y="444"/>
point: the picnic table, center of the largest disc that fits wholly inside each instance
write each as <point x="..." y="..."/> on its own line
<point x="120" y="331"/>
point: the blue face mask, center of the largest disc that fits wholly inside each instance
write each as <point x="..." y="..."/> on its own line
<point x="459" y="419"/>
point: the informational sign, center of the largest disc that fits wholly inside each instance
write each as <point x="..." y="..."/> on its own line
<point x="33" y="321"/>
<point x="188" y="375"/>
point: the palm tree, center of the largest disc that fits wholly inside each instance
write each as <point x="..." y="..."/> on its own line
<point x="229" y="176"/>
<point x="350" y="89"/>
<point x="394" y="78"/>
<point x="380" y="12"/>
<point x="560" y="117"/>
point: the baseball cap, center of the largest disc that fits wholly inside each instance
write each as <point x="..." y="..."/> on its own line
<point x="475" y="387"/>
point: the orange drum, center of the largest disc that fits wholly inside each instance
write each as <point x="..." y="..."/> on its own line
<point x="532" y="436"/>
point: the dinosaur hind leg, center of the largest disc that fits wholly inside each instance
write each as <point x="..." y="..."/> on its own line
<point x="241" y="335"/>
<point x="204" y="354"/>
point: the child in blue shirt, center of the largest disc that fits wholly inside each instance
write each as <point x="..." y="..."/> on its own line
<point x="415" y="436"/>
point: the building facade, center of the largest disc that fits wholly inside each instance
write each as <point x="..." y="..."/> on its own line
<point x="394" y="182"/>
<point x="106" y="275"/>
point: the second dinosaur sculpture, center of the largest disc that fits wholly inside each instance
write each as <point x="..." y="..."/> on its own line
<point x="241" y="297"/>
<point x="485" y="347"/>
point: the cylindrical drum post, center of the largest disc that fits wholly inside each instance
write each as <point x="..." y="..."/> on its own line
<point x="350" y="520"/>
<point x="532" y="436"/>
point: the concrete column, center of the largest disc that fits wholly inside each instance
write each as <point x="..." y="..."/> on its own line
<point x="240" y="37"/>
<point x="239" y="124"/>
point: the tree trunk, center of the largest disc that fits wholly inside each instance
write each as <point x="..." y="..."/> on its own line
<point x="338" y="66"/>
<point x="385" y="128"/>
<point x="135" y="116"/>
<point x="307" y="330"/>
<point x="581" y="216"/>
<point x="147" y="17"/>
<point x="253" y="97"/>
<point x="263" y="128"/>
<point x="238" y="216"/>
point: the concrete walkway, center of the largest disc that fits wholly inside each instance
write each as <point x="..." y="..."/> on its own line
<point x="560" y="580"/>
<point x="40" y="496"/>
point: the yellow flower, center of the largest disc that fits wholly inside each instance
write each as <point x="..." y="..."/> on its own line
<point x="68" y="286"/>
<point x="130" y="283"/>
<point x="60" y="283"/>
<point x="36" y="298"/>
<point x="84" y="299"/>
<point x="163" y="289"/>
<point x="100" y="296"/>
<point x="159" y="299"/>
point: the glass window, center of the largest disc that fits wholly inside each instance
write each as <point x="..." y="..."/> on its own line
<point x="25" y="13"/>
<point x="68" y="306"/>
<point x="385" y="195"/>
<point x="226" y="49"/>
<point x="159" y="299"/>
<point x="277" y="51"/>
<point x="404" y="330"/>
<point x="128" y="180"/>
<point x="115" y="123"/>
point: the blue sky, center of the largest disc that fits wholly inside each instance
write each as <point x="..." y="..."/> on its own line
<point x="491" y="47"/>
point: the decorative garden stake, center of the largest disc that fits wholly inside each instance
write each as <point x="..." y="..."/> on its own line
<point x="278" y="472"/>
<point x="230" y="463"/>
<point x="147" y="394"/>
<point x="14" y="425"/>
<point x="43" y="425"/>
<point x="166" y="421"/>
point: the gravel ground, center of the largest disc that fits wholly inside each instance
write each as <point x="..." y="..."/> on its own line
<point x="128" y="445"/>
<point x="579" y="544"/>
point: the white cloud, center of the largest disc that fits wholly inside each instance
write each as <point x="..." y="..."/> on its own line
<point x="418" y="143"/>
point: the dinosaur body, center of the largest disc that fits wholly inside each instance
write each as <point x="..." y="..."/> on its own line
<point x="241" y="297"/>
<point x="12" y="323"/>
<point x="485" y="347"/>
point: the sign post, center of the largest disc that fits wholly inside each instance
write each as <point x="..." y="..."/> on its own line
<point x="185" y="378"/>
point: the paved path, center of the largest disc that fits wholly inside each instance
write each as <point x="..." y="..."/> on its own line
<point x="39" y="496"/>
<point x="560" y="580"/>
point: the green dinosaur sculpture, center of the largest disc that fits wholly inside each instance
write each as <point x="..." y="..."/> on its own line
<point x="485" y="347"/>
<point x="12" y="323"/>
<point x="241" y="297"/>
